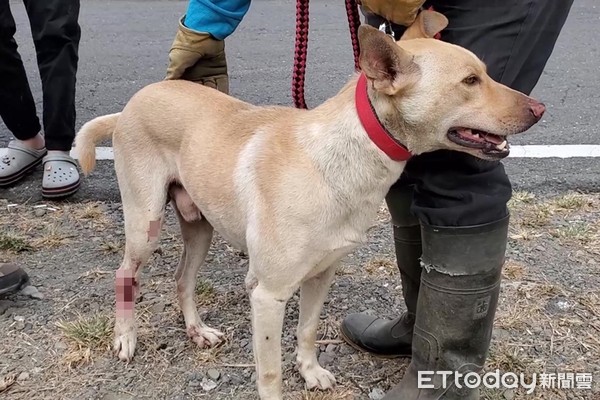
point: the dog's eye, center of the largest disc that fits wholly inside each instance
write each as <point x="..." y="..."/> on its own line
<point x="471" y="80"/>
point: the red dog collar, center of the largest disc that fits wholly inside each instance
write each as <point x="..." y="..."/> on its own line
<point x="376" y="131"/>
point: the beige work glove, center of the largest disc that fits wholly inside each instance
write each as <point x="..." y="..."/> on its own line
<point x="198" y="57"/>
<point x="401" y="12"/>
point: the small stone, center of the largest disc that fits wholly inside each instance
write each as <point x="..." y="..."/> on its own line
<point x="60" y="346"/>
<point x="236" y="380"/>
<point x="253" y="377"/>
<point x="32" y="292"/>
<point x="325" y="359"/>
<point x="331" y="348"/>
<point x="376" y="394"/>
<point x="244" y="342"/>
<point x="23" y="376"/>
<point x="5" y="305"/>
<point x="208" y="384"/>
<point x="158" y="308"/>
<point x="36" y="370"/>
<point x="39" y="212"/>
<point x="509" y="394"/>
<point x="19" y="318"/>
<point x="213" y="374"/>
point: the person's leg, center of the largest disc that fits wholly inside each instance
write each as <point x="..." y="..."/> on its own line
<point x="461" y="201"/>
<point x="56" y="35"/>
<point x="17" y="107"/>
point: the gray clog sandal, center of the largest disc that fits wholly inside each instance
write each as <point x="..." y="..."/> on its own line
<point x="17" y="160"/>
<point x="61" y="177"/>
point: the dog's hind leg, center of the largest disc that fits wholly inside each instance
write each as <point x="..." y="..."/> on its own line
<point x="312" y="296"/>
<point x="143" y="211"/>
<point x="197" y="237"/>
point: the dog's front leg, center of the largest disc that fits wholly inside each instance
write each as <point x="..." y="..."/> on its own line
<point x="268" y="309"/>
<point x="312" y="296"/>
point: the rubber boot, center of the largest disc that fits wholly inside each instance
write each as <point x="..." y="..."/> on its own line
<point x="383" y="337"/>
<point x="459" y="292"/>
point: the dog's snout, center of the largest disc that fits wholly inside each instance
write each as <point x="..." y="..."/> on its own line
<point x="537" y="109"/>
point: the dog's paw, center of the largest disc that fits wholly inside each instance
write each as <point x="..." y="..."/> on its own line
<point x="204" y="336"/>
<point x="125" y="341"/>
<point x="317" y="377"/>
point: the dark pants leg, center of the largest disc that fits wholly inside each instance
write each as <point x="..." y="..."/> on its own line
<point x="56" y="35"/>
<point x="17" y="107"/>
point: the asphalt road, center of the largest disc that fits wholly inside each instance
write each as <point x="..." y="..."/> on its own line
<point x="125" y="44"/>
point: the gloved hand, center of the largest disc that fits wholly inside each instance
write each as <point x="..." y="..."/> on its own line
<point x="401" y="12"/>
<point x="198" y="57"/>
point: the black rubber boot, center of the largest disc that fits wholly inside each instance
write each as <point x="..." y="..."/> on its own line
<point x="459" y="292"/>
<point x="383" y="337"/>
<point x="12" y="278"/>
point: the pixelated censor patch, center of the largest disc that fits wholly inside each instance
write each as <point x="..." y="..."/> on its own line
<point x="153" y="230"/>
<point x="126" y="287"/>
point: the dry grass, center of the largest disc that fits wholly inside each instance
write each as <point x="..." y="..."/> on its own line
<point x="513" y="271"/>
<point x="579" y="231"/>
<point x="86" y="335"/>
<point x="52" y="237"/>
<point x="509" y="357"/>
<point x="91" y="212"/>
<point x="521" y="197"/>
<point x="337" y="394"/>
<point x="573" y="202"/>
<point x="93" y="332"/>
<point x="205" y="292"/>
<point x="379" y="266"/>
<point x="7" y="382"/>
<point x="112" y="246"/>
<point x="14" y="243"/>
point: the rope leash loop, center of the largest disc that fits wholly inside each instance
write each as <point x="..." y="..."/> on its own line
<point x="301" y="46"/>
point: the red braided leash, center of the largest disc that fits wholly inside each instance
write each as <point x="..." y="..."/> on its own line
<point x="301" y="46"/>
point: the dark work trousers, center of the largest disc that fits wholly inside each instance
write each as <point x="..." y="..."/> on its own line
<point x="514" y="38"/>
<point x="56" y="34"/>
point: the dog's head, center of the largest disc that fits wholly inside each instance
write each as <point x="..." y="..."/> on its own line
<point x="434" y="95"/>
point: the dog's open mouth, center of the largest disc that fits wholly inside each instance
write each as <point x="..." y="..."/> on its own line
<point x="488" y="143"/>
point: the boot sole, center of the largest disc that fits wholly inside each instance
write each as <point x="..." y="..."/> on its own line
<point x="15" y="287"/>
<point x="364" y="350"/>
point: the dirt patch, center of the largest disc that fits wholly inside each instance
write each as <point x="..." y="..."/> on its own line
<point x="58" y="347"/>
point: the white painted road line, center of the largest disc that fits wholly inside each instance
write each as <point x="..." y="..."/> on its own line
<point x="560" y="151"/>
<point x="528" y="151"/>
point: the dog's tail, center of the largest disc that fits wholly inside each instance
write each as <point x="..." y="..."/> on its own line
<point x="89" y="135"/>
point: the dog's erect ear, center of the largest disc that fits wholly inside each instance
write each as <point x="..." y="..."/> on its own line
<point x="427" y="25"/>
<point x="390" y="67"/>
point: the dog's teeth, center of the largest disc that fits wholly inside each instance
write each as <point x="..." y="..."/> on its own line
<point x="476" y="135"/>
<point x="502" y="145"/>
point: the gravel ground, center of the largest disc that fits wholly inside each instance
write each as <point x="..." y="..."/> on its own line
<point x="58" y="346"/>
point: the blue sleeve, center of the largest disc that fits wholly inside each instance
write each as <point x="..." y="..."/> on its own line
<point x="217" y="17"/>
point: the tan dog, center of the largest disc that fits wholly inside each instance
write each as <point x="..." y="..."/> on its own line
<point x="295" y="189"/>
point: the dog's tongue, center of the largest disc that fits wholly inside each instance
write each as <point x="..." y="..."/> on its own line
<point x="480" y="136"/>
<point x="469" y="134"/>
<point x="495" y="139"/>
